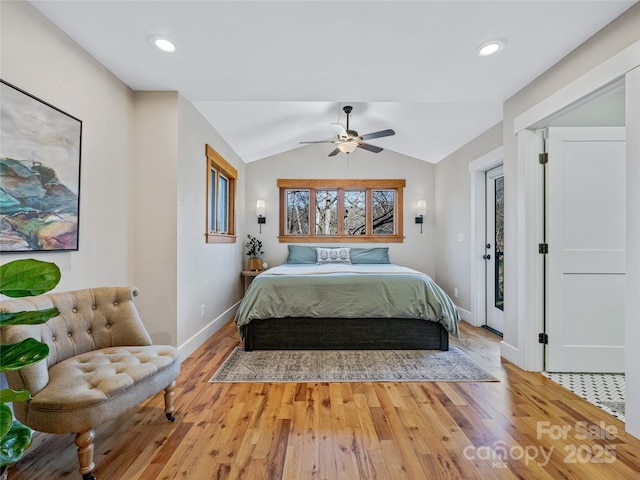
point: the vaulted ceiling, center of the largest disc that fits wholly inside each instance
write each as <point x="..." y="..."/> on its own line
<point x="270" y="74"/>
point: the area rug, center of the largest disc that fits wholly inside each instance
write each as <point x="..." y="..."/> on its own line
<point x="270" y="366"/>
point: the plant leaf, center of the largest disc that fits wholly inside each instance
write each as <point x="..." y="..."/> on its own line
<point x="9" y="395"/>
<point x="6" y="419"/>
<point x="15" y="356"/>
<point x="14" y="443"/>
<point x="31" y="317"/>
<point x="28" y="277"/>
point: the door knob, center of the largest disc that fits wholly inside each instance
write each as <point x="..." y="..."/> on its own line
<point x="487" y="257"/>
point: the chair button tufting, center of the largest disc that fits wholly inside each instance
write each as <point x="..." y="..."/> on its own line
<point x="74" y="310"/>
<point x="115" y="304"/>
<point x="93" y="307"/>
<point x="69" y="334"/>
<point x="89" y="331"/>
<point x="108" y="325"/>
<point x="53" y="339"/>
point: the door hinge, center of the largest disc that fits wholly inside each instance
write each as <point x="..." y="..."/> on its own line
<point x="543" y="248"/>
<point x="543" y="158"/>
<point x="543" y="338"/>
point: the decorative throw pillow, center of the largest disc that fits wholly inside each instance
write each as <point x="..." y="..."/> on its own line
<point x="333" y="255"/>
<point x="370" y="255"/>
<point x="302" y="254"/>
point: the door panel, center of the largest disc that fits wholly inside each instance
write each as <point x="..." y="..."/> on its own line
<point x="586" y="261"/>
<point x="494" y="252"/>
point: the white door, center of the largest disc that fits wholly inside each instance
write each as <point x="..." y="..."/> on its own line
<point x="494" y="249"/>
<point x="585" y="266"/>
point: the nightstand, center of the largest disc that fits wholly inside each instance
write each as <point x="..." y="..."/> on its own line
<point x="247" y="278"/>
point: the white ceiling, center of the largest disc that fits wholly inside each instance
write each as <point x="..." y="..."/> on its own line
<point x="269" y="74"/>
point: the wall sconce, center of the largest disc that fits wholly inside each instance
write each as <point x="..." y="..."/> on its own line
<point x="421" y="212"/>
<point x="260" y="211"/>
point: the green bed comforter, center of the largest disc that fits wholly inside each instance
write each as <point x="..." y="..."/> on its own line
<point x="347" y="291"/>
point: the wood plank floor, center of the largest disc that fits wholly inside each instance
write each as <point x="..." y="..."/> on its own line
<point x="524" y="426"/>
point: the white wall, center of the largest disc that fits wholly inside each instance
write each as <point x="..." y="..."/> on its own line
<point x="516" y="347"/>
<point x="38" y="58"/>
<point x="207" y="274"/>
<point x="418" y="251"/>
<point x="616" y="36"/>
<point x="453" y="215"/>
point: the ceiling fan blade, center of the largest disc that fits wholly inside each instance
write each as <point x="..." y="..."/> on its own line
<point x="322" y="141"/>
<point x="340" y="131"/>
<point x="381" y="133"/>
<point x="334" y="153"/>
<point x="371" y="148"/>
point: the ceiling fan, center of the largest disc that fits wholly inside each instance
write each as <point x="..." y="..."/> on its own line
<point x="348" y="140"/>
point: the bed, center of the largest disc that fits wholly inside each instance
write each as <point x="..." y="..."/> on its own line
<point x="342" y="298"/>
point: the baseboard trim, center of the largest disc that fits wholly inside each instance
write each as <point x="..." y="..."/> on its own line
<point x="511" y="353"/>
<point x="466" y="315"/>
<point x="190" y="346"/>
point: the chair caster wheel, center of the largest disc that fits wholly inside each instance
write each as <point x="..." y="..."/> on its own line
<point x="170" y="417"/>
<point x="88" y="476"/>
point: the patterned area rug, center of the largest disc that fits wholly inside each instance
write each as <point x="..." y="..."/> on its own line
<point x="350" y="366"/>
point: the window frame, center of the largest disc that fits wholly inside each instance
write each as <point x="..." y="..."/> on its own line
<point x="220" y="167"/>
<point x="342" y="185"/>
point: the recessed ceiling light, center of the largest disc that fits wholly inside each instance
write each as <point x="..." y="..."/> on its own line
<point x="490" y="48"/>
<point x="164" y="44"/>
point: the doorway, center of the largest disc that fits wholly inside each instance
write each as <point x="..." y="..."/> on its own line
<point x="521" y="343"/>
<point x="494" y="250"/>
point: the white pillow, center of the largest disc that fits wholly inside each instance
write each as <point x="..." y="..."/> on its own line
<point x="333" y="255"/>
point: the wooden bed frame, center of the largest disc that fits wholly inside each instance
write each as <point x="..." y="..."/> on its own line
<point x="345" y="334"/>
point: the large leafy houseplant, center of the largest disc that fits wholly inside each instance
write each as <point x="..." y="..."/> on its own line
<point x="21" y="278"/>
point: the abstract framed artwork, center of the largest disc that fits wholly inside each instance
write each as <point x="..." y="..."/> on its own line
<point x="40" y="147"/>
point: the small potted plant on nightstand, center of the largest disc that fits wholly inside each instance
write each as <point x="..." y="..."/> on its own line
<point x="254" y="250"/>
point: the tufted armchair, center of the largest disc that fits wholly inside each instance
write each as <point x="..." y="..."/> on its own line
<point x="101" y="363"/>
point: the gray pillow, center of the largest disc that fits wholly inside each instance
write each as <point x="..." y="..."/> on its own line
<point x="308" y="254"/>
<point x="370" y="255"/>
<point x="301" y="254"/>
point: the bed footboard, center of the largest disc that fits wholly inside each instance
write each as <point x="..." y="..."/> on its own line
<point x="345" y="334"/>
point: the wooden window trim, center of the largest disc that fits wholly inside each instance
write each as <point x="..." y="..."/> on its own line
<point x="341" y="185"/>
<point x="219" y="164"/>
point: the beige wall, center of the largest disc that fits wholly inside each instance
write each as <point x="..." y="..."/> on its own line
<point x="38" y="58"/>
<point x="155" y="212"/>
<point x="418" y="251"/>
<point x="142" y="198"/>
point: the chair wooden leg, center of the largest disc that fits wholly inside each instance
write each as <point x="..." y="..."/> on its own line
<point x="169" y="395"/>
<point x="84" y="441"/>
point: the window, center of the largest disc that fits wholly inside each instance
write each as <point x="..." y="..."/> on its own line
<point x="341" y="210"/>
<point x="221" y="189"/>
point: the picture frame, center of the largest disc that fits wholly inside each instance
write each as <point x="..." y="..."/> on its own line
<point x="40" y="152"/>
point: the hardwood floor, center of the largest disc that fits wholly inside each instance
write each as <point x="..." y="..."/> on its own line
<point x="524" y="426"/>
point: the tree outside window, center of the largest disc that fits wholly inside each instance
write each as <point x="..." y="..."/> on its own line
<point x="341" y="210"/>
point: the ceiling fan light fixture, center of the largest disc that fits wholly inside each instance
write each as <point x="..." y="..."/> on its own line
<point x="348" y="147"/>
<point x="490" y="48"/>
